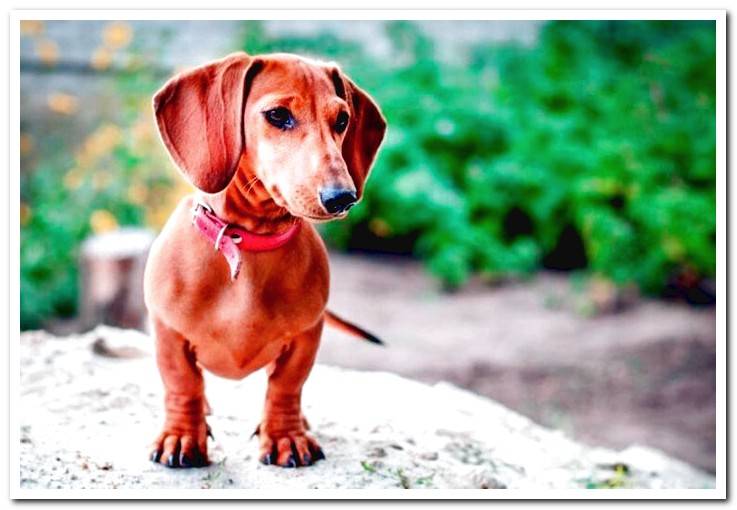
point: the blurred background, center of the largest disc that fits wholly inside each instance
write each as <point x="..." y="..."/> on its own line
<point x="539" y="226"/>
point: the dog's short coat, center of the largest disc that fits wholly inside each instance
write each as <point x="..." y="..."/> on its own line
<point x="268" y="140"/>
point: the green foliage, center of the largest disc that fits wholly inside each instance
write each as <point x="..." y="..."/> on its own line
<point x="605" y="126"/>
<point x="619" y="121"/>
<point x="47" y="273"/>
<point x="117" y="175"/>
<point x="55" y="226"/>
<point x="620" y="479"/>
<point x="64" y="203"/>
<point x="398" y="475"/>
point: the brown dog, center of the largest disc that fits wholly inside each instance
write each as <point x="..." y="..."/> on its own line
<point x="269" y="141"/>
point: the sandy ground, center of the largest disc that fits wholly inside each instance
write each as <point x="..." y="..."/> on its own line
<point x="86" y="418"/>
<point x="644" y="375"/>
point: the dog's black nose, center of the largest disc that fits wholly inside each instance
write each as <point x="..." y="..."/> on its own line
<point x="337" y="200"/>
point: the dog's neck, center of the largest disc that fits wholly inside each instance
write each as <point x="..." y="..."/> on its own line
<point x="247" y="203"/>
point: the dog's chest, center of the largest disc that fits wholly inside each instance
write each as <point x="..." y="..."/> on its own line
<point x="237" y="326"/>
<point x="249" y="326"/>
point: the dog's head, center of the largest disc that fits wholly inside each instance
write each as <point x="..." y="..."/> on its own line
<point x="308" y="132"/>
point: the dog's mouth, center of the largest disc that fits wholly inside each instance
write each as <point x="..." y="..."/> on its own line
<point x="319" y="217"/>
<point x="325" y="218"/>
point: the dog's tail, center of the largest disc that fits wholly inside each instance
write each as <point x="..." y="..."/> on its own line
<point x="347" y="327"/>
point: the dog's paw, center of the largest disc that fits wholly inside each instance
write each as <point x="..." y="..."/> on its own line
<point x="181" y="449"/>
<point x="289" y="450"/>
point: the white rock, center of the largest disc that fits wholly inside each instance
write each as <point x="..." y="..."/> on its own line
<point x="87" y="420"/>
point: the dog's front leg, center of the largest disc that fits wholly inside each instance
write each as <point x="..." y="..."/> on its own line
<point x="183" y="442"/>
<point x="282" y="433"/>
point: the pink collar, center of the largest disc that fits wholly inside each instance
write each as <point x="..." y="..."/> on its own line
<point x="231" y="239"/>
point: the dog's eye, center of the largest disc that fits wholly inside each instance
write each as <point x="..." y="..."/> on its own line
<point x="280" y="117"/>
<point x="341" y="122"/>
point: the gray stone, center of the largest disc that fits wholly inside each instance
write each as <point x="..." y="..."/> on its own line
<point x="88" y="420"/>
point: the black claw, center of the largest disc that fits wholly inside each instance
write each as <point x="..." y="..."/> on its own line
<point x="266" y="459"/>
<point x="171" y="461"/>
<point x="209" y="433"/>
<point x="199" y="459"/>
<point x="307" y="459"/>
<point x="319" y="454"/>
<point x="291" y="463"/>
<point x="184" y="461"/>
<point x="155" y="456"/>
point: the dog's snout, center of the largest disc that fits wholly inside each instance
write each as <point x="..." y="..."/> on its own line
<point x="337" y="200"/>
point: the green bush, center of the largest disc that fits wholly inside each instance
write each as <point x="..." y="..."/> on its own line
<point x="603" y="128"/>
<point x="618" y="126"/>
<point x="65" y="202"/>
<point x="116" y="175"/>
<point x="601" y="132"/>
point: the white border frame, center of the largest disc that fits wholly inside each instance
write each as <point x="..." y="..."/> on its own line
<point x="719" y="16"/>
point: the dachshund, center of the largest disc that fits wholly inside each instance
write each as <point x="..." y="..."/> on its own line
<point x="238" y="278"/>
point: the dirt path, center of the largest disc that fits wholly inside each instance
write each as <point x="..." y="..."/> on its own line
<point x="645" y="375"/>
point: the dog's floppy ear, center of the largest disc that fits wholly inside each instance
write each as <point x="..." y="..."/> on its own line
<point x="365" y="132"/>
<point x="200" y="118"/>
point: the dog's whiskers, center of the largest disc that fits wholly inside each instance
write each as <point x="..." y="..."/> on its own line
<point x="250" y="185"/>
